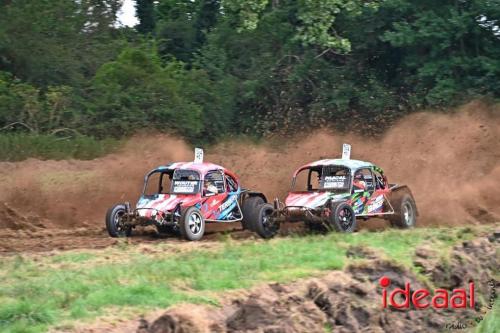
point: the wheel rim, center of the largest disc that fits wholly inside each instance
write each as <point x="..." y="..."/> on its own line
<point x="345" y="218"/>
<point x="408" y="213"/>
<point x="195" y="223"/>
<point x="267" y="221"/>
<point x="118" y="222"/>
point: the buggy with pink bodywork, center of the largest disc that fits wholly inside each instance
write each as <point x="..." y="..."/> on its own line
<point x="182" y="197"/>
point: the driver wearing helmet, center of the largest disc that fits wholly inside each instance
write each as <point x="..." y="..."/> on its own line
<point x="209" y="187"/>
<point x="359" y="181"/>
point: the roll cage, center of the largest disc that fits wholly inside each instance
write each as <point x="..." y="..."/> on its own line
<point x="224" y="180"/>
<point x="339" y="178"/>
<point x="182" y="181"/>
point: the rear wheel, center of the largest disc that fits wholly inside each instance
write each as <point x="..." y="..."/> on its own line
<point x="249" y="210"/>
<point x="342" y="217"/>
<point x="114" y="221"/>
<point x="192" y="224"/>
<point x="264" y="224"/>
<point x="405" y="212"/>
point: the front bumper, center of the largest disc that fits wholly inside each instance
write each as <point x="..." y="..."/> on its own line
<point x="159" y="218"/>
<point x="300" y="213"/>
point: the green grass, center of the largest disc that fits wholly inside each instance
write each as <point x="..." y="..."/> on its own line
<point x="17" y="147"/>
<point x="44" y="291"/>
<point x="491" y="321"/>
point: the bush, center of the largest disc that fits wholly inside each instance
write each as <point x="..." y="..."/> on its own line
<point x="19" y="146"/>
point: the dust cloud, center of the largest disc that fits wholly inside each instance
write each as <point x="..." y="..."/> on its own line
<point x="450" y="161"/>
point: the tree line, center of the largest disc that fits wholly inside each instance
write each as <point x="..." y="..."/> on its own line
<point x="208" y="69"/>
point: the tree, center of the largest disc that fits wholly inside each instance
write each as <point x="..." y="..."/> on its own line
<point x="137" y="91"/>
<point x="182" y="27"/>
<point x="448" y="53"/>
<point x="145" y="11"/>
<point x="206" y="17"/>
<point x="57" y="42"/>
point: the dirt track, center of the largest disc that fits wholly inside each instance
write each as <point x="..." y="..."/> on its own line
<point x="451" y="163"/>
<point x="39" y="239"/>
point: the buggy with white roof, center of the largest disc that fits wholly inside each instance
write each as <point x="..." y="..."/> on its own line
<point x="181" y="197"/>
<point x="334" y="193"/>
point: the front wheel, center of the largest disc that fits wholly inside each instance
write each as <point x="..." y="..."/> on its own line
<point x="114" y="222"/>
<point x="342" y="217"/>
<point x="192" y="224"/>
<point x="264" y="224"/>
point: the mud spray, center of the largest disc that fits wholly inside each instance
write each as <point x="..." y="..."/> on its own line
<point x="451" y="163"/>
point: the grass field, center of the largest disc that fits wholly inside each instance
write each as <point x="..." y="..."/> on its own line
<point x="42" y="291"/>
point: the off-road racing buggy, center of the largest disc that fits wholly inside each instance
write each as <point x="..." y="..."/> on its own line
<point x="337" y="192"/>
<point x="181" y="197"/>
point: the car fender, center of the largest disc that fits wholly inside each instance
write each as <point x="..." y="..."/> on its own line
<point x="248" y="193"/>
<point x="397" y="189"/>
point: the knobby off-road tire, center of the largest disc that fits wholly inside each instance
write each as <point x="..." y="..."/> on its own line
<point x="342" y="217"/>
<point x="250" y="211"/>
<point x="192" y="224"/>
<point x="405" y="212"/>
<point x="113" y="222"/>
<point x="263" y="224"/>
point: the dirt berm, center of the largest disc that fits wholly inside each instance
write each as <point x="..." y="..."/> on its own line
<point x="350" y="300"/>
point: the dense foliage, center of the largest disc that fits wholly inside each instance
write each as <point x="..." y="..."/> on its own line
<point x="211" y="68"/>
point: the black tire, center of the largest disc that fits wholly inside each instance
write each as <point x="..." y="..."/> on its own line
<point x="405" y="212"/>
<point x="342" y="217"/>
<point x="249" y="210"/>
<point x="262" y="225"/>
<point x="192" y="224"/>
<point x="113" y="221"/>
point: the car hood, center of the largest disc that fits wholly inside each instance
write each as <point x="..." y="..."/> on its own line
<point x="148" y="205"/>
<point x="312" y="199"/>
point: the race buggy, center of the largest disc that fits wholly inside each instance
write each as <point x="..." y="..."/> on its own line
<point x="337" y="192"/>
<point x="181" y="197"/>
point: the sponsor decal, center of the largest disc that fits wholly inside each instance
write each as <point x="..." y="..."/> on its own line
<point x="376" y="204"/>
<point x="334" y="182"/>
<point x="228" y="203"/>
<point x="185" y="186"/>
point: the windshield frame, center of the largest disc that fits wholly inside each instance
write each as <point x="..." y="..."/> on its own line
<point x="171" y="172"/>
<point x="320" y="168"/>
